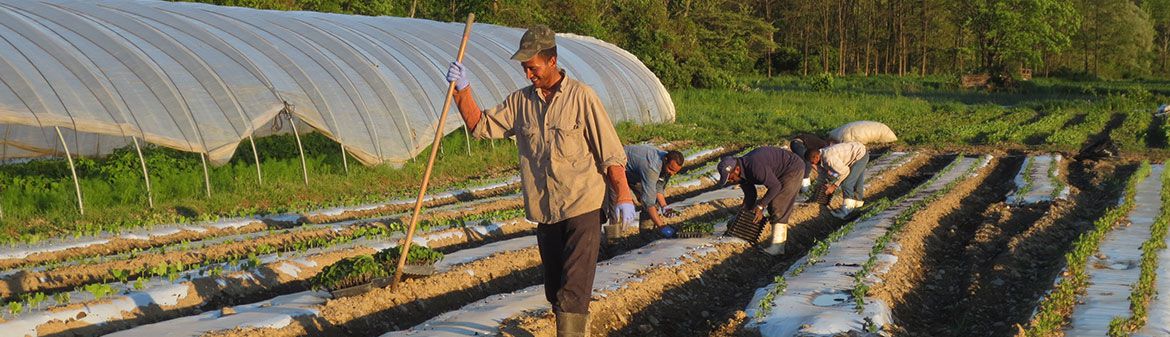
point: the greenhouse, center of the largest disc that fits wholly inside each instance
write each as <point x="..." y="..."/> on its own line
<point x="82" y="78"/>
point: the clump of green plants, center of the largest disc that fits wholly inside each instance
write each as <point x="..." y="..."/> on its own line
<point x="821" y="82"/>
<point x="418" y="255"/>
<point x="362" y="269"/>
<point x="99" y="290"/>
<point x="698" y="227"/>
<point x="349" y="272"/>
<point x="15" y="307"/>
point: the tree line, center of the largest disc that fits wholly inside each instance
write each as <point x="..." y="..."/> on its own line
<point x="709" y="43"/>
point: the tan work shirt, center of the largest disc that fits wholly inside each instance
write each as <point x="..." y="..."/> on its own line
<point x="839" y="157"/>
<point x="565" y="146"/>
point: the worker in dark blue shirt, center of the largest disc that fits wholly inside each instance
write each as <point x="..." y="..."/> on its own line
<point x="777" y="169"/>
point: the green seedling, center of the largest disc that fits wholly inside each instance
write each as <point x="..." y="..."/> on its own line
<point x="99" y="290"/>
<point x="35" y="300"/>
<point x="120" y="274"/>
<point x="160" y="269"/>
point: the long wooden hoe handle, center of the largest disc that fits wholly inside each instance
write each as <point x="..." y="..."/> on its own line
<point x="431" y="162"/>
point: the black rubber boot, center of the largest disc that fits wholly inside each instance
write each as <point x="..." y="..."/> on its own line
<point x="572" y="325"/>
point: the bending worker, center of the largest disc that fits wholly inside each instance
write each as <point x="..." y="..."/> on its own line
<point x="568" y="151"/>
<point x="802" y="144"/>
<point x="843" y="166"/>
<point x="648" y="170"/>
<point x="777" y="169"/>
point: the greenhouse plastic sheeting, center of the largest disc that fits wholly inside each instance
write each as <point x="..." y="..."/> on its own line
<point x="203" y="78"/>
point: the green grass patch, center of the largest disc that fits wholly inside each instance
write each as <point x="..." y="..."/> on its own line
<point x="1057" y="305"/>
<point x="38" y="199"/>
<point x="1049" y="114"/>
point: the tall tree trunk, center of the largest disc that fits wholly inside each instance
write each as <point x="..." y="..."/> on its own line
<point x="825" y="42"/>
<point x="413" y="6"/>
<point x="841" y="52"/>
<point x="771" y="36"/>
<point x="804" y="53"/>
<point x="923" y="40"/>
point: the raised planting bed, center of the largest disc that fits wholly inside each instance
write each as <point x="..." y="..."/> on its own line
<point x="826" y="294"/>
<point x="1116" y="268"/>
<point x="471" y="266"/>
<point x="186" y="256"/>
<point x="1039" y="180"/>
<point x="63" y="249"/>
<point x="161" y="298"/>
<point x="1151" y="313"/>
<point x="1054" y="310"/>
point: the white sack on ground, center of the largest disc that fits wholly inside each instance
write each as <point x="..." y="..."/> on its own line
<point x="865" y="132"/>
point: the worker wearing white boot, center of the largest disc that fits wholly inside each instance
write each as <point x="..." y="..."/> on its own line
<point x="843" y="166"/>
<point x="777" y="169"/>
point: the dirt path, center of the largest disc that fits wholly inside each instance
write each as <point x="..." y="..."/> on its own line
<point x="932" y="243"/>
<point x="975" y="266"/>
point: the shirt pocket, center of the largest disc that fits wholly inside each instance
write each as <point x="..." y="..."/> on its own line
<point x="568" y="140"/>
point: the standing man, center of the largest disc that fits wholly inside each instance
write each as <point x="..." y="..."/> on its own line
<point x="777" y="169"/>
<point x="648" y="170"/>
<point x="843" y="166"/>
<point x="800" y="145"/>
<point x="568" y="151"/>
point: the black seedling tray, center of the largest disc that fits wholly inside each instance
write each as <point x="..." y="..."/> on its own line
<point x="744" y="228"/>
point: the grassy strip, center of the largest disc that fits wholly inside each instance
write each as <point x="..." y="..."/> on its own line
<point x="1027" y="173"/>
<point x="860" y="289"/>
<point x="1144" y="290"/>
<point x="821" y="247"/>
<point x="38" y="200"/>
<point x="996" y="120"/>
<point x="1057" y="305"/>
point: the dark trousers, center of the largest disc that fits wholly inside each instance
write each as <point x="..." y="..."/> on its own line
<point x="781" y="207"/>
<point x="568" y="251"/>
<point x="854" y="185"/>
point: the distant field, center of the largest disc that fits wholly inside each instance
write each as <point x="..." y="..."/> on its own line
<point x="38" y="201"/>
